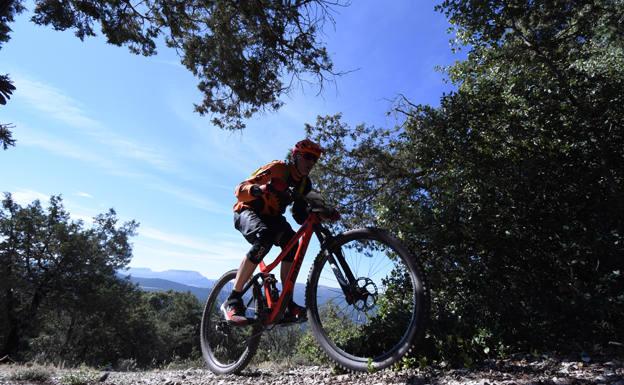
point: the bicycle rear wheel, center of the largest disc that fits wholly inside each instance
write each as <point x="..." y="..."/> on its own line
<point x="382" y="315"/>
<point x="226" y="348"/>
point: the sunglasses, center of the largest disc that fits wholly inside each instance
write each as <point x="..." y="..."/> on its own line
<point x="308" y="156"/>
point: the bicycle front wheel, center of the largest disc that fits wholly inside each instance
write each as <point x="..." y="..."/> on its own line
<point x="382" y="314"/>
<point x="227" y="348"/>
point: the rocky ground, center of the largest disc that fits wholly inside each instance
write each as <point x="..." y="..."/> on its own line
<point x="542" y="371"/>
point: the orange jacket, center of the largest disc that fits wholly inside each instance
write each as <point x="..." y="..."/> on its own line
<point x="268" y="203"/>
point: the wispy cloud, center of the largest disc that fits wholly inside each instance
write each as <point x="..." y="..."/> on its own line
<point x="180" y="245"/>
<point x="25" y="197"/>
<point x="37" y="138"/>
<point x="172" y="63"/>
<point x="194" y="199"/>
<point x="84" y="194"/>
<point x="55" y="104"/>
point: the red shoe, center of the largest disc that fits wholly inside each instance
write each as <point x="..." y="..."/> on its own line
<point x="234" y="312"/>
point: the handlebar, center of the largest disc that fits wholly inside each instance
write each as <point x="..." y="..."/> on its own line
<point x="316" y="204"/>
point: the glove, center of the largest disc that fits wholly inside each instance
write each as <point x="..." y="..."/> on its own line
<point x="300" y="211"/>
<point x="277" y="185"/>
<point x="256" y="191"/>
<point x="332" y="215"/>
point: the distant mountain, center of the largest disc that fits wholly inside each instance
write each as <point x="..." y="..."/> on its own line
<point x="197" y="284"/>
<point x="157" y="284"/>
<point x="186" y="277"/>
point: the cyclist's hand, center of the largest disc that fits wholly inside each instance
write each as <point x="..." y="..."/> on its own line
<point x="331" y="215"/>
<point x="277" y="185"/>
<point x="257" y="191"/>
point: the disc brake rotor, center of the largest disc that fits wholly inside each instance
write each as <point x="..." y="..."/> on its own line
<point x="366" y="294"/>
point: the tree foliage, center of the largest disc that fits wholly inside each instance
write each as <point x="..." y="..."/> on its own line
<point x="511" y="192"/>
<point x="47" y="256"/>
<point x="62" y="300"/>
<point x="246" y="54"/>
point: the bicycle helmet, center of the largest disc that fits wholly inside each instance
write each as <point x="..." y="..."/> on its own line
<point x="307" y="146"/>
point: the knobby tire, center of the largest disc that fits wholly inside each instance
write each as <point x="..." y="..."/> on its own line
<point x="375" y="334"/>
<point x="226" y="349"/>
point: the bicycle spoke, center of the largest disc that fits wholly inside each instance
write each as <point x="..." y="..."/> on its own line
<point x="227" y="348"/>
<point x="381" y="314"/>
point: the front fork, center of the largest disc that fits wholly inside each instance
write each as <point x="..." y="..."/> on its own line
<point x="338" y="264"/>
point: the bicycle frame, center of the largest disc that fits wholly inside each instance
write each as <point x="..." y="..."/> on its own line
<point x="302" y="240"/>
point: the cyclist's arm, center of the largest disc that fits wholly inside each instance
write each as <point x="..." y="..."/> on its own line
<point x="300" y="206"/>
<point x="260" y="178"/>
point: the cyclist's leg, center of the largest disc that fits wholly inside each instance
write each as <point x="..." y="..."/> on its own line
<point x="294" y="312"/>
<point x="258" y="233"/>
<point x="285" y="234"/>
<point x="245" y="270"/>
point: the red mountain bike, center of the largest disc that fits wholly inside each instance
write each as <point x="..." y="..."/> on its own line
<point x="365" y="296"/>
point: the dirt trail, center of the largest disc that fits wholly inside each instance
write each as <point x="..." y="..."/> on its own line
<point x="543" y="371"/>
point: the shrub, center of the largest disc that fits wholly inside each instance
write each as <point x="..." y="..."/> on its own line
<point x="80" y="376"/>
<point x="36" y="373"/>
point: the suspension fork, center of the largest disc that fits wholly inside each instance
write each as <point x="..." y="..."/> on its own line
<point x="338" y="263"/>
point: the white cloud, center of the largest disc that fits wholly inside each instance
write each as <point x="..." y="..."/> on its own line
<point x="36" y="138"/>
<point x="53" y="103"/>
<point x="184" y="246"/>
<point x="84" y="194"/>
<point x="61" y="107"/>
<point x="24" y="197"/>
<point x="194" y="199"/>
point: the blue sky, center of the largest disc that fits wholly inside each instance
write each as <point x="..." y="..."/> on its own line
<point x="105" y="128"/>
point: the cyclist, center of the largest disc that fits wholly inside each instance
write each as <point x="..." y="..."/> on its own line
<point x="258" y="215"/>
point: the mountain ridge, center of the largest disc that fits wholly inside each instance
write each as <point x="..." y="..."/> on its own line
<point x="150" y="280"/>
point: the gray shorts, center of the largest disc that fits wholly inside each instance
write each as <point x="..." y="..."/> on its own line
<point x="263" y="231"/>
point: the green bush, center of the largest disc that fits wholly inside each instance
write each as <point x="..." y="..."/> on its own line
<point x="510" y="191"/>
<point x="81" y="376"/>
<point x="36" y="373"/>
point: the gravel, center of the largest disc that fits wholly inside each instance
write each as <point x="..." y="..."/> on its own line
<point x="542" y="371"/>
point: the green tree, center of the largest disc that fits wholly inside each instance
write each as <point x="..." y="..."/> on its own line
<point x="49" y="260"/>
<point x="105" y="326"/>
<point x="246" y="54"/>
<point x="7" y="11"/>
<point x="512" y="190"/>
<point x="177" y="318"/>
<point x="118" y="323"/>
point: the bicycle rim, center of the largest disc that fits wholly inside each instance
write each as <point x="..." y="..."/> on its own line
<point x="382" y="323"/>
<point x="226" y="348"/>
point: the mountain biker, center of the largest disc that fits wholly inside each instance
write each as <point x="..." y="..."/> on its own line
<point x="258" y="214"/>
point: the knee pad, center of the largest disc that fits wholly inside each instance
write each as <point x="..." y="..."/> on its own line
<point x="258" y="251"/>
